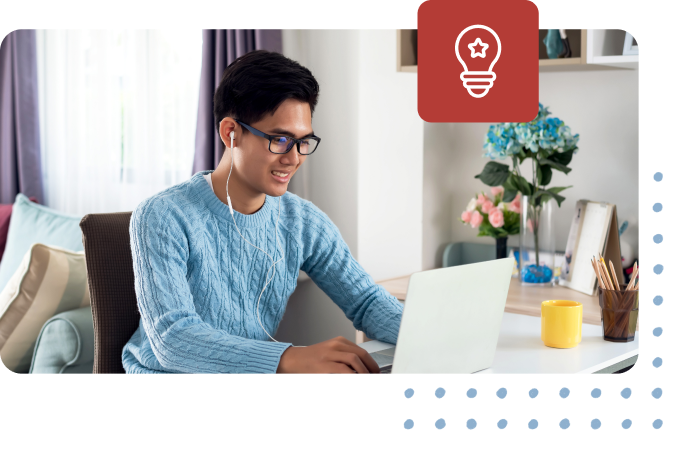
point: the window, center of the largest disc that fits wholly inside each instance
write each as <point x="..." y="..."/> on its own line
<point x="118" y="112"/>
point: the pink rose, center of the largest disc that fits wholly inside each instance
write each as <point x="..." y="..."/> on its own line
<point x="496" y="217"/>
<point x="465" y="216"/>
<point x="475" y="219"/>
<point x="496" y="190"/>
<point x="515" y="206"/>
<point x="487" y="206"/>
<point x="481" y="198"/>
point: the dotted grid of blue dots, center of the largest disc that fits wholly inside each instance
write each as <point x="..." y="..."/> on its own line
<point x="565" y="392"/>
<point x="564" y="423"/>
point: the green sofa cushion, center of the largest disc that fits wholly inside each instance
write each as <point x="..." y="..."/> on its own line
<point x="65" y="344"/>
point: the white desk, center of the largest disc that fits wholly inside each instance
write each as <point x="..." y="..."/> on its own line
<point x="521" y="351"/>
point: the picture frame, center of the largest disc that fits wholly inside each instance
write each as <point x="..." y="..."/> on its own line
<point x="630" y="45"/>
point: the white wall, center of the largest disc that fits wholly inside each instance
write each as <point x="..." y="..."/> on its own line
<point x="366" y="175"/>
<point x="391" y="138"/>
<point x="602" y="106"/>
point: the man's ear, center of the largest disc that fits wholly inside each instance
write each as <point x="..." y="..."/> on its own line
<point x="226" y="131"/>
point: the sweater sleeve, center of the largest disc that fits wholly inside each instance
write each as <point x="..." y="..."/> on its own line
<point x="332" y="267"/>
<point x="181" y="341"/>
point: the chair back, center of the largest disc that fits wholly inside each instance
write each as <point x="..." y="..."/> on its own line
<point x="112" y="292"/>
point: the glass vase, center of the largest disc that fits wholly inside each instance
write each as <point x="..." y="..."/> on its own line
<point x="536" y="242"/>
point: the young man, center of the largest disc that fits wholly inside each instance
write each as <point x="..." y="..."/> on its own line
<point x="217" y="257"/>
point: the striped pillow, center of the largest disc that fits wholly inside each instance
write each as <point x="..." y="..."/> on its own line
<point x="49" y="280"/>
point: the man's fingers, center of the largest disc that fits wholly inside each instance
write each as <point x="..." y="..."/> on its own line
<point x="366" y="358"/>
<point x="339" y="368"/>
<point x="350" y="359"/>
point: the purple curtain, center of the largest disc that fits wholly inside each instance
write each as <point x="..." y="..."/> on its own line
<point x="221" y="47"/>
<point x="20" y="149"/>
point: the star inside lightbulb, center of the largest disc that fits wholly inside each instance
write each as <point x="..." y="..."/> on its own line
<point x="478" y="59"/>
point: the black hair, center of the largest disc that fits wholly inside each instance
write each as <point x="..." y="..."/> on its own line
<point x="257" y="83"/>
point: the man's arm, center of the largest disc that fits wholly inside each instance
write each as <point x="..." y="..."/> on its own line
<point x="331" y="266"/>
<point x="180" y="339"/>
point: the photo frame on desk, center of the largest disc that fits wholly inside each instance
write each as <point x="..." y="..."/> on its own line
<point x="594" y="231"/>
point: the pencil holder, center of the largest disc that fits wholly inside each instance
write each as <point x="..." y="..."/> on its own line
<point x="619" y="310"/>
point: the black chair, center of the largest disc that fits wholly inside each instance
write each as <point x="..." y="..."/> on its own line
<point x="112" y="293"/>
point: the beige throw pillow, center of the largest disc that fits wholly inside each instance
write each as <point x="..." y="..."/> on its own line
<point x="49" y="280"/>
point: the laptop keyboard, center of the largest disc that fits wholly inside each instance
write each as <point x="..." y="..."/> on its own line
<point x="384" y="359"/>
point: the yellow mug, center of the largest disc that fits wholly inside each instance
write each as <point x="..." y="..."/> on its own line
<point x="561" y="323"/>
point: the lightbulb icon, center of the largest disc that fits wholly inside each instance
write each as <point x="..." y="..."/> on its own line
<point x="480" y="76"/>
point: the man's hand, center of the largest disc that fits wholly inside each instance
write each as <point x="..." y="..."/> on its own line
<point x="335" y="356"/>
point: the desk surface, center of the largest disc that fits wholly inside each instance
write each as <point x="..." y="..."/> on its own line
<point x="521" y="351"/>
<point x="521" y="299"/>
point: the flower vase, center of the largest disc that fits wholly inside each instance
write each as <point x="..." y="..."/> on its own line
<point x="536" y="242"/>
<point x="502" y="247"/>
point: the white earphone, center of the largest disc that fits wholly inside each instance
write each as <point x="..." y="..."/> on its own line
<point x="276" y="231"/>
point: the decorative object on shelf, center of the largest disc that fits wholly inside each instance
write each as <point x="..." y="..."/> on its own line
<point x="630" y="45"/>
<point x="494" y="217"/>
<point x="550" y="145"/>
<point x="566" y="49"/>
<point x="553" y="43"/>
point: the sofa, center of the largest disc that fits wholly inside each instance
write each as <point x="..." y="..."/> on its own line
<point x="45" y="314"/>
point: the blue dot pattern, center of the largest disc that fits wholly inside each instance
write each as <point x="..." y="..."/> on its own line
<point x="440" y="424"/>
<point x="657" y="207"/>
<point x="658" y="300"/>
<point x="595" y="424"/>
<point x="532" y="424"/>
<point x="565" y="423"/>
<point x="657" y="331"/>
<point x="657" y="362"/>
<point x="533" y="393"/>
<point x="627" y="423"/>
<point x="626" y="393"/>
<point x="657" y="393"/>
<point x="408" y="393"/>
<point x="472" y="393"/>
<point x="502" y="423"/>
<point x="595" y="393"/>
<point x="565" y="392"/>
<point x="658" y="269"/>
<point x="658" y="176"/>
<point x="658" y="238"/>
<point x="409" y="424"/>
<point x="471" y="424"/>
<point x="440" y="392"/>
<point x="657" y="423"/>
<point x="502" y="392"/>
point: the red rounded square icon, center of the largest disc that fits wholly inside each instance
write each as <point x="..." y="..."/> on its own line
<point x="478" y="61"/>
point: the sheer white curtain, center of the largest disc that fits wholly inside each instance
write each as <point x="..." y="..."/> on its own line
<point x="118" y="115"/>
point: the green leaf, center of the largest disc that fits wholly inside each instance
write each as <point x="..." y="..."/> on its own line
<point x="563" y="158"/>
<point x="546" y="194"/>
<point x="546" y="175"/>
<point x="509" y="195"/>
<point x="557" y="166"/>
<point x="522" y="185"/>
<point x="494" y="174"/>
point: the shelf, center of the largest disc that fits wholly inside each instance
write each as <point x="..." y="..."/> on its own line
<point x="592" y="49"/>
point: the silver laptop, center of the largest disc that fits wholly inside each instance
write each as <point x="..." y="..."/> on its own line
<point x="451" y="320"/>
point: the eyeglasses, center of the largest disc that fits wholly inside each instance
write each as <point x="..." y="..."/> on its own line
<point x="284" y="144"/>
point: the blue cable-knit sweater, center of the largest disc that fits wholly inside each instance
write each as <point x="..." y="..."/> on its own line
<point x="197" y="281"/>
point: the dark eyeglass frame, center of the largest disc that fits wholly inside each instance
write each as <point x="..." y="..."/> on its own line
<point x="296" y="142"/>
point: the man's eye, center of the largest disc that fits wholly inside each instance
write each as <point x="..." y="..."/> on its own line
<point x="280" y="140"/>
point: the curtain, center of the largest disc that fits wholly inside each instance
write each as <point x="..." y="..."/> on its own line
<point x="20" y="157"/>
<point x="118" y="115"/>
<point x="220" y="48"/>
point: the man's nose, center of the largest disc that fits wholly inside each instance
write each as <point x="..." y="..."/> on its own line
<point x="291" y="157"/>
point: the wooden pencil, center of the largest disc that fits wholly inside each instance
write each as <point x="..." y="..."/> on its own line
<point x="615" y="277"/>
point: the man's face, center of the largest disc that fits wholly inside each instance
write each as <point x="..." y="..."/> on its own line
<point x="262" y="170"/>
